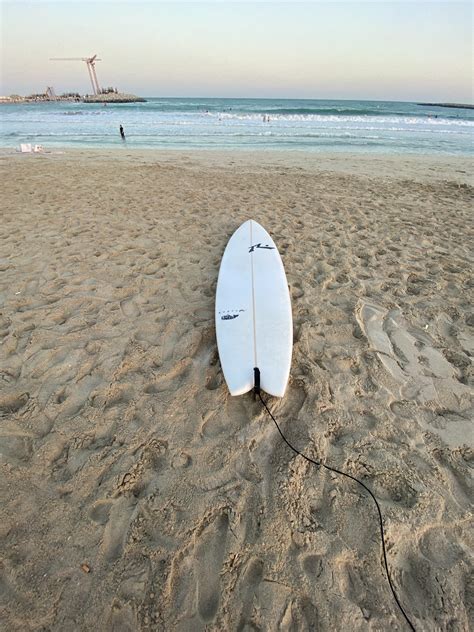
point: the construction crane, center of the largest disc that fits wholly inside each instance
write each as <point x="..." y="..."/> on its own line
<point x="90" y="61"/>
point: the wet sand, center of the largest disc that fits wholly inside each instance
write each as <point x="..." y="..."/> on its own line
<point x="136" y="493"/>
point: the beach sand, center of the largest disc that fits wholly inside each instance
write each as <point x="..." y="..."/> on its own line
<point x="136" y="494"/>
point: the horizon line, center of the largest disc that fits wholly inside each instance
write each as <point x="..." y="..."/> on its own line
<point x="306" y="99"/>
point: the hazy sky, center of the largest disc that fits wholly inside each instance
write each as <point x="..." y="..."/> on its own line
<point x="364" y="50"/>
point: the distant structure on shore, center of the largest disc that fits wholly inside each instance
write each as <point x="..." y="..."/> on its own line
<point x="100" y="95"/>
<point x="90" y="61"/>
<point x="109" y="95"/>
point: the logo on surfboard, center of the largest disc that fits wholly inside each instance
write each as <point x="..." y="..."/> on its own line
<point x="230" y="314"/>
<point x="266" y="247"/>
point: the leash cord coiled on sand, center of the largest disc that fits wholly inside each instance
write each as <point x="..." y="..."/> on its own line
<point x="333" y="469"/>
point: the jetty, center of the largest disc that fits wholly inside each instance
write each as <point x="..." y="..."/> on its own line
<point x="462" y="106"/>
<point x="113" y="97"/>
<point x="74" y="97"/>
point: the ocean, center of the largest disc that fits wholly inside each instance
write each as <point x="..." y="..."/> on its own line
<point x="281" y="124"/>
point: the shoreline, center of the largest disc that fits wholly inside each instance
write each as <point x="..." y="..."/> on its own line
<point x="421" y="166"/>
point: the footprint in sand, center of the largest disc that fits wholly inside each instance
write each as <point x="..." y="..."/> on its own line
<point x="296" y="291"/>
<point x="299" y="614"/>
<point x="250" y="582"/>
<point x="122" y="618"/>
<point x="409" y="355"/>
<point x="12" y="402"/>
<point x="130" y="309"/>
<point x="351" y="584"/>
<point x="209" y="554"/>
<point x="16" y="447"/>
<point x="116" y="529"/>
<point x="312" y="566"/>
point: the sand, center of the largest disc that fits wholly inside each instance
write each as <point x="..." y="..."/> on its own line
<point x="136" y="493"/>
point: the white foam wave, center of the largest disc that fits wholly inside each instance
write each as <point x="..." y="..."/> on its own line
<point x="328" y="118"/>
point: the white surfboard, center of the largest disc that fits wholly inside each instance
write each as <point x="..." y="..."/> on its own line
<point x="254" y="325"/>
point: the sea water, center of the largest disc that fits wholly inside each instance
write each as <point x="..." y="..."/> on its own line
<point x="204" y="123"/>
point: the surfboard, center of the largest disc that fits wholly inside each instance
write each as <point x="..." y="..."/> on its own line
<point x="254" y="325"/>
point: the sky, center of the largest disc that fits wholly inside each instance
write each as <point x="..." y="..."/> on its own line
<point x="408" y="51"/>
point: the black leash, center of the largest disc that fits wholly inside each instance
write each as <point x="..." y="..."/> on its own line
<point x="333" y="469"/>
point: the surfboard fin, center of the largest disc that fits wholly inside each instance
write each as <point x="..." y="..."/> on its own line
<point x="256" y="381"/>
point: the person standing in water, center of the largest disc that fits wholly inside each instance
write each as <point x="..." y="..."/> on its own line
<point x="122" y="133"/>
